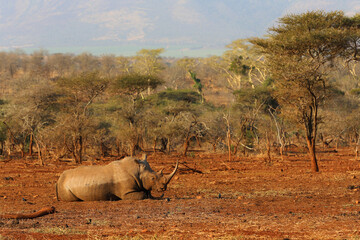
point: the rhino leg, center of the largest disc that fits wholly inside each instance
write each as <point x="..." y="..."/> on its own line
<point x="135" y="196"/>
<point x="68" y="196"/>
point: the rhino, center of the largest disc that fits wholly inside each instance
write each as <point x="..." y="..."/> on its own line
<point x="127" y="179"/>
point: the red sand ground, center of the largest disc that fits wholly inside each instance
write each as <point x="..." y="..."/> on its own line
<point x="245" y="198"/>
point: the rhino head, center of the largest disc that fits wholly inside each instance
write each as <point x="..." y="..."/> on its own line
<point x="157" y="181"/>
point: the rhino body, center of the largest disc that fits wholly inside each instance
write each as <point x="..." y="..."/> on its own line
<point x="129" y="178"/>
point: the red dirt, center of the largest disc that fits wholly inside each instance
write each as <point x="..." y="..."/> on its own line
<point x="242" y="199"/>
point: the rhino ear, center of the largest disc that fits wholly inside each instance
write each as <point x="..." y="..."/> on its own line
<point x="144" y="157"/>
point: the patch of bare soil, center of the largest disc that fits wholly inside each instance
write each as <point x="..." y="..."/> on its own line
<point x="245" y="198"/>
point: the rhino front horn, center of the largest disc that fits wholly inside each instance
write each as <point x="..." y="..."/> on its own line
<point x="171" y="175"/>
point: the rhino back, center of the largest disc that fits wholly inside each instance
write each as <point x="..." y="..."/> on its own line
<point x="88" y="183"/>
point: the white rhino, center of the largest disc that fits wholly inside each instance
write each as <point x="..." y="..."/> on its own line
<point x="128" y="178"/>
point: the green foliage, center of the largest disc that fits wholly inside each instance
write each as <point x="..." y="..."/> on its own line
<point x="355" y="92"/>
<point x="255" y="98"/>
<point x="82" y="88"/>
<point x="183" y="95"/>
<point x="134" y="84"/>
<point x="174" y="102"/>
<point x="148" y="62"/>
<point x="150" y="52"/>
<point x="85" y="81"/>
<point x="105" y="126"/>
<point x="197" y="83"/>
<point x="321" y="35"/>
<point x="237" y="66"/>
<point x="250" y="135"/>
<point x="3" y="131"/>
<point x="269" y="82"/>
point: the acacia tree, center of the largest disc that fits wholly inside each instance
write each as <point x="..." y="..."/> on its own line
<point x="10" y="63"/>
<point x="299" y="54"/>
<point x="177" y="118"/>
<point x="255" y="105"/>
<point x="240" y="66"/>
<point x="61" y="64"/>
<point x="29" y="113"/>
<point x="246" y="62"/>
<point x="176" y="74"/>
<point x="129" y="92"/>
<point x="78" y="94"/>
<point x="215" y="126"/>
<point x="86" y="62"/>
<point x="37" y="65"/>
<point x="148" y="61"/>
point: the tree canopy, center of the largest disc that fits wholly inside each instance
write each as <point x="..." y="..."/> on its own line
<point x="299" y="53"/>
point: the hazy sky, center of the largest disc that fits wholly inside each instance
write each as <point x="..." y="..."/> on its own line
<point x="101" y="26"/>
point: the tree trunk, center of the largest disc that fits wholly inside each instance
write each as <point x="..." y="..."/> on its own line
<point x="357" y="147"/>
<point x="80" y="149"/>
<point x="31" y="143"/>
<point x="356" y="152"/>
<point x="198" y="141"/>
<point x="187" y="138"/>
<point x="75" y="157"/>
<point x="311" y="118"/>
<point x="268" y="147"/>
<point x="40" y="157"/>
<point x="117" y="147"/>
<point x="76" y="149"/>
<point x="282" y="152"/>
<point x="236" y="147"/>
<point x="104" y="150"/>
<point x="154" y="145"/>
<point x="22" y="150"/>
<point x="312" y="153"/>
<point x="169" y="146"/>
<point x="279" y="131"/>
<point x="214" y="145"/>
<point x="186" y="147"/>
<point x="164" y="143"/>
<point x="229" y="143"/>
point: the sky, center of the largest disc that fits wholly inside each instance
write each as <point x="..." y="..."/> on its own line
<point x="194" y="28"/>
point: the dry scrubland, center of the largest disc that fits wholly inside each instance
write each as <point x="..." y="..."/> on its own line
<point x="210" y="197"/>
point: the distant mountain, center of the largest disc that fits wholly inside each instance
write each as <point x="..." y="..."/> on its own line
<point x="175" y="24"/>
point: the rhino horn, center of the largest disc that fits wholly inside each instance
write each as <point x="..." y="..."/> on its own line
<point x="144" y="157"/>
<point x="170" y="176"/>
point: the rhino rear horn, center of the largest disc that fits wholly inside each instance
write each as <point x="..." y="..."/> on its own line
<point x="171" y="175"/>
